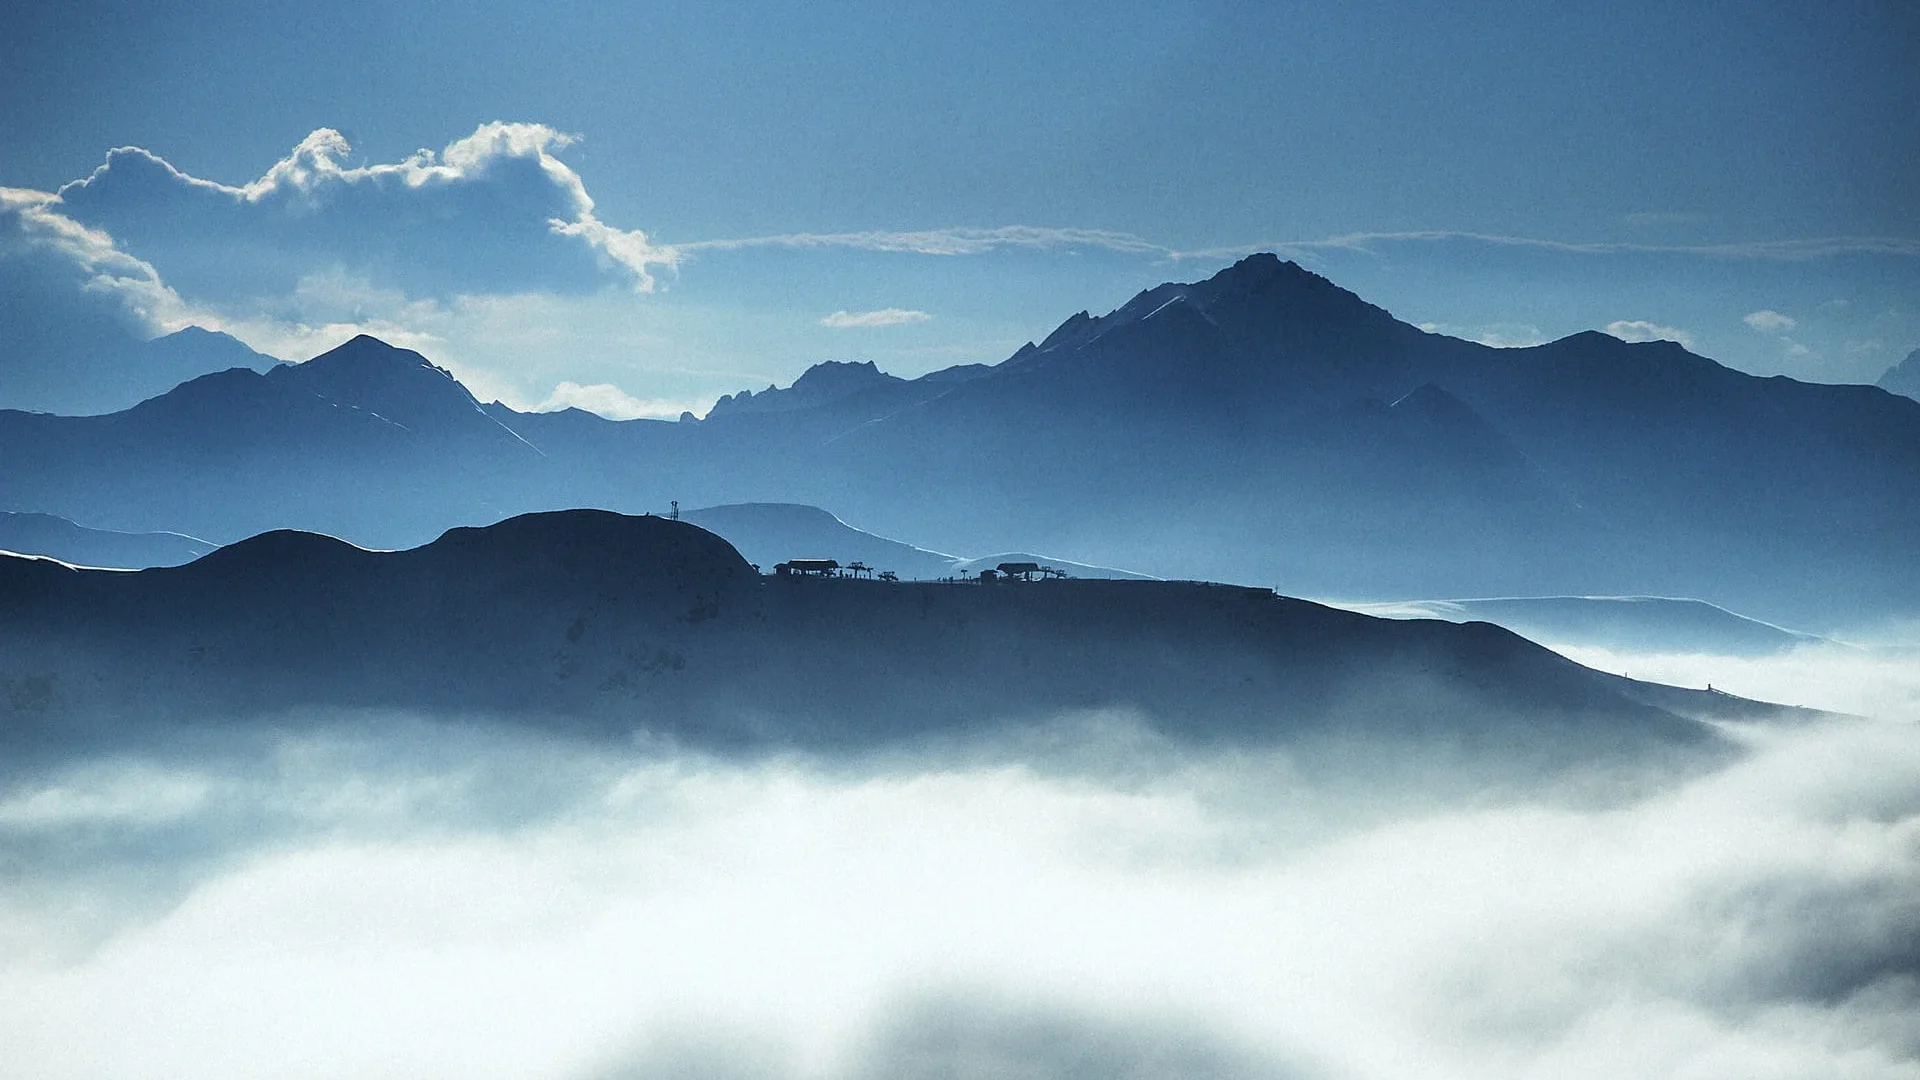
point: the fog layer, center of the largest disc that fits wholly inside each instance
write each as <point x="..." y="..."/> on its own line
<point x="398" y="897"/>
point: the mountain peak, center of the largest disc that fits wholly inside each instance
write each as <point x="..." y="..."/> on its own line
<point x="821" y="384"/>
<point x="841" y="374"/>
<point x="396" y="384"/>
<point x="379" y="377"/>
<point x="1904" y="377"/>
<point x="366" y="352"/>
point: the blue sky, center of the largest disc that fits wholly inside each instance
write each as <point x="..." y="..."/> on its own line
<point x="644" y="208"/>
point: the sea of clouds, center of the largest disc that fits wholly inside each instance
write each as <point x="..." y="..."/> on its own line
<point x="392" y="896"/>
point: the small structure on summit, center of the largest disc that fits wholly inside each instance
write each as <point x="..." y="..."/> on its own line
<point x="1026" y="571"/>
<point x="808" y="568"/>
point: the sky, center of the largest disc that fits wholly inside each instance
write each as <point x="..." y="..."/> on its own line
<point x="637" y="208"/>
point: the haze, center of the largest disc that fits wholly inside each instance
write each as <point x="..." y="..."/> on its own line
<point x="1221" y="541"/>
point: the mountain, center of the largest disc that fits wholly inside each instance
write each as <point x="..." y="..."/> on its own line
<point x="594" y="622"/>
<point x="58" y="538"/>
<point x="1641" y="624"/>
<point x="1263" y="426"/>
<point x="1904" y="377"/>
<point x="106" y="370"/>
<point x="771" y="533"/>
<point x="366" y="440"/>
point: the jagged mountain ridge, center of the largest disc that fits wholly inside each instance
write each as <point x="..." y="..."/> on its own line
<point x="1262" y="426"/>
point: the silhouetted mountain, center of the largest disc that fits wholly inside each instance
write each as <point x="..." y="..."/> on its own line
<point x="1904" y="377"/>
<point x="104" y="370"/>
<point x="819" y="385"/>
<point x="591" y="620"/>
<point x="398" y="385"/>
<point x="58" y="538"/>
<point x="1262" y="426"/>
<point x="366" y="440"/>
<point x="1638" y="624"/>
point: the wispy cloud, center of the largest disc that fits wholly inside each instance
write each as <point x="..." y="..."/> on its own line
<point x="1769" y="322"/>
<point x="893" y="316"/>
<point x="981" y="240"/>
<point x="952" y="241"/>
<point x="1642" y="330"/>
<point x="1778" y="250"/>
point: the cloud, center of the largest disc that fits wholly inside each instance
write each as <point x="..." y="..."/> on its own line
<point x="980" y="240"/>
<point x="547" y="910"/>
<point x="1769" y="322"/>
<point x="1499" y="335"/>
<point x="1795" y="250"/>
<point x="893" y="316"/>
<point x="1642" y="330"/>
<point x="614" y="403"/>
<point x="74" y="308"/>
<point x="37" y="240"/>
<point x="453" y="899"/>
<point x="953" y="241"/>
<point x="495" y="211"/>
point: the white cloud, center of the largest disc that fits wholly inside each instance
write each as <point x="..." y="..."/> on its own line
<point x="495" y="211"/>
<point x="1768" y="321"/>
<point x="32" y="225"/>
<point x="614" y="403"/>
<point x="1642" y="330"/>
<point x="893" y="316"/>
<point x="1498" y="335"/>
<point x="478" y="905"/>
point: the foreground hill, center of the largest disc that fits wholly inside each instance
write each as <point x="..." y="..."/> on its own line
<point x="1262" y="426"/>
<point x="591" y="621"/>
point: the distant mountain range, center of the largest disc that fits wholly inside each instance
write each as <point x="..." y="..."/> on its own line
<point x="1634" y="624"/>
<point x="58" y="538"/>
<point x="593" y="622"/>
<point x="1262" y="426"/>
<point x="106" y="372"/>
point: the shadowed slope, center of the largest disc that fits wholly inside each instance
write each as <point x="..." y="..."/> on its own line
<point x="590" y="620"/>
